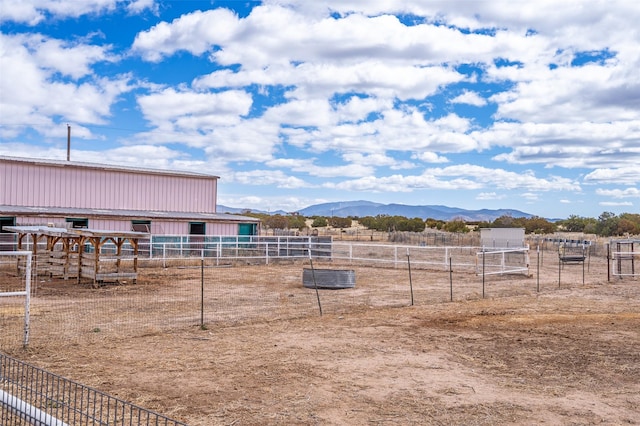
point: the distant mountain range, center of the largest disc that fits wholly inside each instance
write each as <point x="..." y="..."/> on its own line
<point x="368" y="208"/>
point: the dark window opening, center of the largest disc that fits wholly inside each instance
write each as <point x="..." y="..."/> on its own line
<point x="7" y="238"/>
<point x="141" y="226"/>
<point x="6" y="221"/>
<point x="77" y="222"/>
<point x="196" y="228"/>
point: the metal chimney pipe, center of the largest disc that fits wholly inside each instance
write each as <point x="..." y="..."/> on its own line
<point x="68" y="142"/>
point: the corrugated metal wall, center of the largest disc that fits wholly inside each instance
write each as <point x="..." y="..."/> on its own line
<point x="222" y="229"/>
<point x="46" y="185"/>
<point x="158" y="227"/>
<point x="502" y="237"/>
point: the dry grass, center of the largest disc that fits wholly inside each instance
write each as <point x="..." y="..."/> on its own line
<point x="564" y="355"/>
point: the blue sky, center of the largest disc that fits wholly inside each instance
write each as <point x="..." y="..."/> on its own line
<point x="532" y="106"/>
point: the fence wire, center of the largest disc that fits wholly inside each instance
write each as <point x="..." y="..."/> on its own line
<point x="236" y="286"/>
<point x="172" y="294"/>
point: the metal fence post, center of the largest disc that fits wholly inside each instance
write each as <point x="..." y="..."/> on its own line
<point x="410" y="280"/>
<point x="450" y="280"/>
<point x="483" y="256"/>
<point x="315" y="284"/>
<point x="538" y="270"/>
<point x="202" y="293"/>
<point x="27" y="303"/>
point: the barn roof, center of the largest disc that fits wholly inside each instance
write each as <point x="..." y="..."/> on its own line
<point x="99" y="166"/>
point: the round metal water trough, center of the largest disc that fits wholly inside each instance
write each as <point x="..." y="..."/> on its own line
<point x="329" y="278"/>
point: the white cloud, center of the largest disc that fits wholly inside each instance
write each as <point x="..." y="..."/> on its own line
<point x="395" y="130"/>
<point x="629" y="175"/>
<point x="568" y="145"/>
<point x="214" y="122"/>
<point x="615" y="204"/>
<point x="460" y="177"/>
<point x="196" y="32"/>
<point x="356" y="109"/>
<point x="307" y="113"/>
<point x="252" y="140"/>
<point x="504" y="179"/>
<point x="572" y="94"/>
<point x="32" y="12"/>
<point x="46" y="56"/>
<point x="312" y="169"/>
<point x="483" y="196"/>
<point x="377" y="160"/>
<point x="137" y="6"/>
<point x="276" y="35"/>
<point x="44" y="78"/>
<point x="20" y="11"/>
<point x="619" y="193"/>
<point x="316" y="80"/>
<point x="195" y="111"/>
<point x="430" y="157"/>
<point x="268" y="177"/>
<point x="400" y="183"/>
<point x="470" y="98"/>
<point x="319" y="128"/>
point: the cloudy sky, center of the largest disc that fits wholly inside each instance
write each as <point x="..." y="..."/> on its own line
<point x="529" y="105"/>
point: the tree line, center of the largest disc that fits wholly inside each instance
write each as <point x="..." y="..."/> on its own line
<point x="607" y="224"/>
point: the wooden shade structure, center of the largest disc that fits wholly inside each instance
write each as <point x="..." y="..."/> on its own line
<point x="82" y="253"/>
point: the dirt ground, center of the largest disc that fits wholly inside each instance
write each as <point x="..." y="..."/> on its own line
<point x="562" y="356"/>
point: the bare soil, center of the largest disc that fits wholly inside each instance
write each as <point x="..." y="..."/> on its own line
<point x="565" y="355"/>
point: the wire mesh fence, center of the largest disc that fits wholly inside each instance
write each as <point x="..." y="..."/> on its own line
<point x="33" y="396"/>
<point x="15" y="292"/>
<point x="171" y="294"/>
<point x="253" y="284"/>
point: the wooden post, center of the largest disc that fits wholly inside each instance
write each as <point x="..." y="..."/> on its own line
<point x="81" y="241"/>
<point x="97" y="244"/>
<point x="20" y="237"/>
<point x="134" y="244"/>
<point x="118" y="242"/>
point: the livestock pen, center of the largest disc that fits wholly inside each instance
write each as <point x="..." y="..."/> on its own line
<point x="182" y="311"/>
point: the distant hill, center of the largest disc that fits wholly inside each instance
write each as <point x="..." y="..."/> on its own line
<point x="367" y="208"/>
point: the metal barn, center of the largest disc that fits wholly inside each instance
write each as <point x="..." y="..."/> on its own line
<point x="75" y="195"/>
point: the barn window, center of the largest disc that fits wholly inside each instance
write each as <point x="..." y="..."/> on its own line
<point x="196" y="228"/>
<point x="76" y="222"/>
<point x="141" y="226"/>
<point x="7" y="221"/>
<point x="7" y="238"/>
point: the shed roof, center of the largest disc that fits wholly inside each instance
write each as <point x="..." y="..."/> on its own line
<point x="74" y="232"/>
<point x="129" y="214"/>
